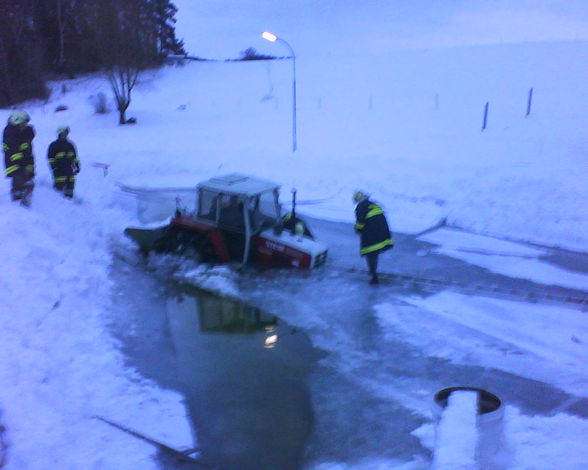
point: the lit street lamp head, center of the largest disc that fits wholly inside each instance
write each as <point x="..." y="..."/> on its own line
<point x="269" y="36"/>
<point x="273" y="38"/>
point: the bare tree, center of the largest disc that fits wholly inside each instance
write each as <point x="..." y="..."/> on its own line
<point x="128" y="45"/>
<point x="122" y="80"/>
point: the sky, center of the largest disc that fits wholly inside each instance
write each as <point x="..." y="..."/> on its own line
<point x="342" y="27"/>
<point x="390" y="100"/>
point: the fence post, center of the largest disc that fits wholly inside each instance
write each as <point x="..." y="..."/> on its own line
<point x="529" y="102"/>
<point x="485" y="116"/>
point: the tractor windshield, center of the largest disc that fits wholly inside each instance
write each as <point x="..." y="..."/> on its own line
<point x="264" y="210"/>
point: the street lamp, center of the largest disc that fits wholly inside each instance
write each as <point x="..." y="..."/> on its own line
<point x="273" y="38"/>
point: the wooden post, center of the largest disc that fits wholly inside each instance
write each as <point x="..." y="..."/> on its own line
<point x="529" y="102"/>
<point x="485" y="116"/>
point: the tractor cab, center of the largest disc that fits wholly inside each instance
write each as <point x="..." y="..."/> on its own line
<point x="240" y="207"/>
<point x="236" y="219"/>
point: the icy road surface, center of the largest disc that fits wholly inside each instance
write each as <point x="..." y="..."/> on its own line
<point x="389" y="349"/>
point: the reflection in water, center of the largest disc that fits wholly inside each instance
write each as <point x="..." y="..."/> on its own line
<point x="220" y="314"/>
<point x="270" y="341"/>
<point x="246" y="391"/>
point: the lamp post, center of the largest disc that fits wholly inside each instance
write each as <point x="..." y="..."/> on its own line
<point x="273" y="38"/>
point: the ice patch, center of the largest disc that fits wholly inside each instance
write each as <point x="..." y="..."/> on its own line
<point x="218" y="279"/>
<point x="508" y="335"/>
<point x="504" y="257"/>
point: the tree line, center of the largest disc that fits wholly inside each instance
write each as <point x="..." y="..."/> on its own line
<point x="41" y="39"/>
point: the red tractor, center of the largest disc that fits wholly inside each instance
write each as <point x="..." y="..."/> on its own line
<point x="237" y="219"/>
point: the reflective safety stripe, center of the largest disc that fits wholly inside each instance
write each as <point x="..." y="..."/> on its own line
<point x="376" y="246"/>
<point x="5" y="146"/>
<point x="60" y="155"/>
<point x="52" y="160"/>
<point x="72" y="179"/>
<point x="70" y="154"/>
<point x="60" y="179"/>
<point x="31" y="167"/>
<point x="374" y="209"/>
<point x="11" y="169"/>
<point x="16" y="156"/>
<point x="359" y="226"/>
<point x="24" y="146"/>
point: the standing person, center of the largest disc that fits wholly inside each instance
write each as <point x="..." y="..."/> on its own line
<point x="64" y="162"/>
<point x="17" y="142"/>
<point x="371" y="224"/>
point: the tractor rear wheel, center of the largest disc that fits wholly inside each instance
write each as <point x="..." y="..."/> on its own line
<point x="185" y="243"/>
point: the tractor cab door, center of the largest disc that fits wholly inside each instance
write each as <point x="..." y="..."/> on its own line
<point x="233" y="224"/>
<point x="238" y="217"/>
<point x="225" y="213"/>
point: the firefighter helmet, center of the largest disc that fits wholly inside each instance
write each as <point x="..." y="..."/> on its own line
<point x="18" y="117"/>
<point x="359" y="195"/>
<point x="62" y="129"/>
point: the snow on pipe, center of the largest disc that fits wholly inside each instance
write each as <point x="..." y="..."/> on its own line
<point x="457" y="435"/>
<point x="468" y="433"/>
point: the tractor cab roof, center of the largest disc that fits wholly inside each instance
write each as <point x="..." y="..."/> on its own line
<point x="238" y="184"/>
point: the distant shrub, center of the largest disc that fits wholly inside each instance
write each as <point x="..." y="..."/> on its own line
<point x="251" y="54"/>
<point x="99" y="103"/>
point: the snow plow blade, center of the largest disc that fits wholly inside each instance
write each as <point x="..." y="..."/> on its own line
<point x="145" y="238"/>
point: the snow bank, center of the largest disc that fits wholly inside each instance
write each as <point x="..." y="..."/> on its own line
<point x="60" y="366"/>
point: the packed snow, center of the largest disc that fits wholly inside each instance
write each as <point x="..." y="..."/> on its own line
<point x="390" y="100"/>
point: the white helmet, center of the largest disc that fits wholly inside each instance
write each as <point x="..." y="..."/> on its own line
<point x="18" y="117"/>
<point x="62" y="129"/>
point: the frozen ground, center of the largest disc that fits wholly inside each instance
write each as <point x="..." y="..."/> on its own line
<point x="402" y="123"/>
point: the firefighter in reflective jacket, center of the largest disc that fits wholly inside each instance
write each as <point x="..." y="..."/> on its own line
<point x="17" y="143"/>
<point x="64" y="162"/>
<point x="372" y="226"/>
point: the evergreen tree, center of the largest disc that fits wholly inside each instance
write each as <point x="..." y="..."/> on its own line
<point x="164" y="12"/>
<point x="21" y="56"/>
<point x="71" y="36"/>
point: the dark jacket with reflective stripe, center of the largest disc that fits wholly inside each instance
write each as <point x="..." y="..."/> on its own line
<point x="63" y="158"/>
<point x="371" y="223"/>
<point x="18" y="150"/>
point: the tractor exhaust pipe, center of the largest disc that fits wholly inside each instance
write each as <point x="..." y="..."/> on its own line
<point x="293" y="202"/>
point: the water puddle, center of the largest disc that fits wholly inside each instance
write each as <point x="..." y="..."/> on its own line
<point x="244" y="374"/>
